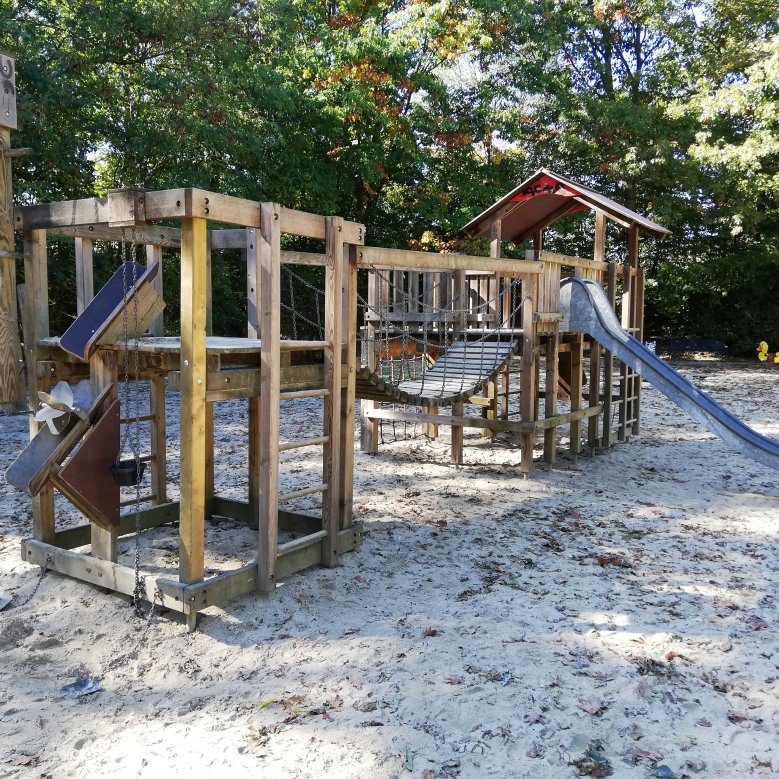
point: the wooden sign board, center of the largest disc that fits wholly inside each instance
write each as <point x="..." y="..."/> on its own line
<point x="7" y="92"/>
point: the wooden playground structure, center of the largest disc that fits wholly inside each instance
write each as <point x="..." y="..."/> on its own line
<point x="473" y="317"/>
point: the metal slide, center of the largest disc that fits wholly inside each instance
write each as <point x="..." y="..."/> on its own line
<point x="586" y="309"/>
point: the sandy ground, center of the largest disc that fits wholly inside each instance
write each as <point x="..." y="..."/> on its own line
<point x="616" y="615"/>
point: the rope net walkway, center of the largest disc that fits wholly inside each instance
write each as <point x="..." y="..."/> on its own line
<point x="457" y="364"/>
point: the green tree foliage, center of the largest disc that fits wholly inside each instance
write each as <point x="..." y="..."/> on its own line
<point x="414" y="115"/>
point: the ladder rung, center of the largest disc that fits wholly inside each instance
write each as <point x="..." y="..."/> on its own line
<point x="307" y="442"/>
<point x="141" y="499"/>
<point x="314" y="393"/>
<point x="144" y="418"/>
<point x="302" y="493"/>
<point x="302" y="543"/>
<point x="304" y="346"/>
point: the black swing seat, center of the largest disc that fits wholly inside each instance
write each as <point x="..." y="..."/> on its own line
<point x="462" y="371"/>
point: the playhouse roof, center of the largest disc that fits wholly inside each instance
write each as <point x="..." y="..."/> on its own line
<point x="546" y="197"/>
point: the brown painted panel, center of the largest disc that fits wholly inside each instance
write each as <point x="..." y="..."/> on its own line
<point x="86" y="478"/>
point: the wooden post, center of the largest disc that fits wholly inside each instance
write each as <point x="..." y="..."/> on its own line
<point x="528" y="378"/>
<point x="625" y="372"/>
<point x="577" y="347"/>
<point x="104" y="372"/>
<point x="346" y="469"/>
<point x="35" y="322"/>
<point x="253" y="331"/>
<point x="11" y="382"/>
<point x="269" y="256"/>
<point x="460" y="298"/>
<point x="369" y="428"/>
<point x="608" y="362"/>
<point x="331" y="451"/>
<point x="209" y="504"/>
<point x="599" y="254"/>
<point x="491" y="390"/>
<point x="550" y="399"/>
<point x="193" y="401"/>
<point x="637" y="322"/>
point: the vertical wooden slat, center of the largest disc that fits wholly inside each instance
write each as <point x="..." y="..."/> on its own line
<point x="193" y="400"/>
<point x="85" y="285"/>
<point x="154" y="257"/>
<point x="550" y="399"/>
<point x="528" y="378"/>
<point x="639" y="325"/>
<point x="254" y="461"/>
<point x="608" y="362"/>
<point x="252" y="284"/>
<point x="35" y="322"/>
<point x="369" y="428"/>
<point x="104" y="372"/>
<point x="11" y="382"/>
<point x="625" y="381"/>
<point x="334" y="272"/>
<point x="599" y="254"/>
<point x="346" y="469"/>
<point x="159" y="480"/>
<point x="460" y="297"/>
<point x="269" y="259"/>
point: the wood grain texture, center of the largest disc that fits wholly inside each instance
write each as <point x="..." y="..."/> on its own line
<point x="269" y="258"/>
<point x="11" y="383"/>
<point x="193" y="400"/>
<point x="331" y="457"/>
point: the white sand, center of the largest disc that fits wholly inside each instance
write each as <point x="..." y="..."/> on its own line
<point x="490" y="626"/>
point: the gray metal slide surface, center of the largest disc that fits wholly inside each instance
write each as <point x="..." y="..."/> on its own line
<point x="586" y="309"/>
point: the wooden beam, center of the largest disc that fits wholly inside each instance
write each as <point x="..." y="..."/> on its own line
<point x="269" y="241"/>
<point x="454" y="420"/>
<point x="104" y="573"/>
<point x="193" y="400"/>
<point x="150" y="235"/>
<point x="375" y="257"/>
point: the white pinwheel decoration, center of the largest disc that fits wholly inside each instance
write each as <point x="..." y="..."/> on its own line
<point x="57" y="407"/>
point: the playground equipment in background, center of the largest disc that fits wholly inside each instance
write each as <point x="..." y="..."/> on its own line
<point x="765" y="356"/>
<point x="470" y="316"/>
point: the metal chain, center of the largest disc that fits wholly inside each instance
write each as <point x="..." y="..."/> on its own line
<point x="41" y="577"/>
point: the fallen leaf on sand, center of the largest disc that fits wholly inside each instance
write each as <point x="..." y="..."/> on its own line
<point x="430" y="633"/>
<point x="756" y="623"/>
<point x="596" y="708"/>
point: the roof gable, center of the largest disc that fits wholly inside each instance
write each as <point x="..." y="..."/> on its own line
<point x="543" y="199"/>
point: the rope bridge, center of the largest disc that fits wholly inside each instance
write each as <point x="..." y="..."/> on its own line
<point x="464" y="366"/>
